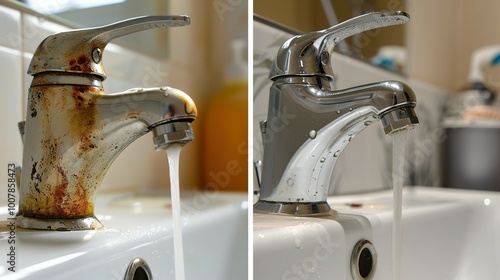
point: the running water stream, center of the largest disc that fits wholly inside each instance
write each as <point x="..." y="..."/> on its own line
<point x="173" y="153"/>
<point x="398" y="155"/>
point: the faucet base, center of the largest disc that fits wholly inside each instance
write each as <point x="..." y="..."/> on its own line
<point x="294" y="208"/>
<point x="89" y="223"/>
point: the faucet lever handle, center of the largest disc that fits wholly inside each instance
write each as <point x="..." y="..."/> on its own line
<point x="80" y="51"/>
<point x="309" y="54"/>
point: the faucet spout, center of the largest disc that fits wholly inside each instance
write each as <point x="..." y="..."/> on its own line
<point x="307" y="129"/>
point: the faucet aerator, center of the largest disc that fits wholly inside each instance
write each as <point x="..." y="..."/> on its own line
<point x="399" y="119"/>
<point x="168" y="134"/>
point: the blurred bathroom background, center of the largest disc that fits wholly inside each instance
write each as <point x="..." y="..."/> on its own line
<point x="191" y="58"/>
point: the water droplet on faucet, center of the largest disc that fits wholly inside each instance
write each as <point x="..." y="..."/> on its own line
<point x="322" y="160"/>
<point x="337" y="153"/>
<point x="312" y="134"/>
<point x="367" y="123"/>
<point x="290" y="182"/>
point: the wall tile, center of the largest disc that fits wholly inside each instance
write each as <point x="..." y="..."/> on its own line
<point x="35" y="30"/>
<point x="10" y="28"/>
<point x="10" y="114"/>
<point x="10" y="97"/>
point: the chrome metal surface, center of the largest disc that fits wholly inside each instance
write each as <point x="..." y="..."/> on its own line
<point x="257" y="165"/>
<point x="294" y="208"/>
<point x="20" y="126"/>
<point x="398" y="118"/>
<point x="309" y="125"/>
<point x="55" y="78"/>
<point x="165" y="135"/>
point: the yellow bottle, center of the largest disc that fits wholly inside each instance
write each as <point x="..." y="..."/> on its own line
<point x="225" y="130"/>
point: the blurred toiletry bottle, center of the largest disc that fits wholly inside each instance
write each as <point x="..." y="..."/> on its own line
<point x="225" y="128"/>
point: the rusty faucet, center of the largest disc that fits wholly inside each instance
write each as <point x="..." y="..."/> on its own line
<point x="74" y="130"/>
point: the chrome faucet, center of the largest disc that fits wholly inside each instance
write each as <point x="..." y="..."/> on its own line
<point x="309" y="124"/>
<point x="74" y="130"/>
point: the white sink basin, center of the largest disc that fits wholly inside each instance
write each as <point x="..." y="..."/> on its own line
<point x="214" y="233"/>
<point x="447" y="234"/>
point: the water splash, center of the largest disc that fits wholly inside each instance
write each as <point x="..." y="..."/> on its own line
<point x="398" y="154"/>
<point x="173" y="154"/>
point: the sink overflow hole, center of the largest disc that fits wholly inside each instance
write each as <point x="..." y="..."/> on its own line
<point x="138" y="269"/>
<point x="140" y="274"/>
<point x="363" y="261"/>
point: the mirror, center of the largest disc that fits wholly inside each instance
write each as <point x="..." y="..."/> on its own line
<point x="90" y="13"/>
<point x="384" y="47"/>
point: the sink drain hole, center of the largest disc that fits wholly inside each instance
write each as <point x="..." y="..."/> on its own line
<point x="363" y="261"/>
<point x="138" y="269"/>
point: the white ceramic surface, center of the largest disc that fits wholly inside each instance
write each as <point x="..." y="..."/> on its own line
<point x="215" y="236"/>
<point x="447" y="234"/>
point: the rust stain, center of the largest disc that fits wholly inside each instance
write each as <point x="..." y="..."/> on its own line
<point x="73" y="202"/>
<point x="65" y="195"/>
<point x="60" y="195"/>
<point x="133" y="115"/>
<point x="81" y="64"/>
<point x="84" y="117"/>
<point x="84" y="190"/>
<point x="189" y="105"/>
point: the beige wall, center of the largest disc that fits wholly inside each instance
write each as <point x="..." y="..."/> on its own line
<point x="189" y="56"/>
<point x="301" y="15"/>
<point x="197" y="58"/>
<point x="443" y="34"/>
